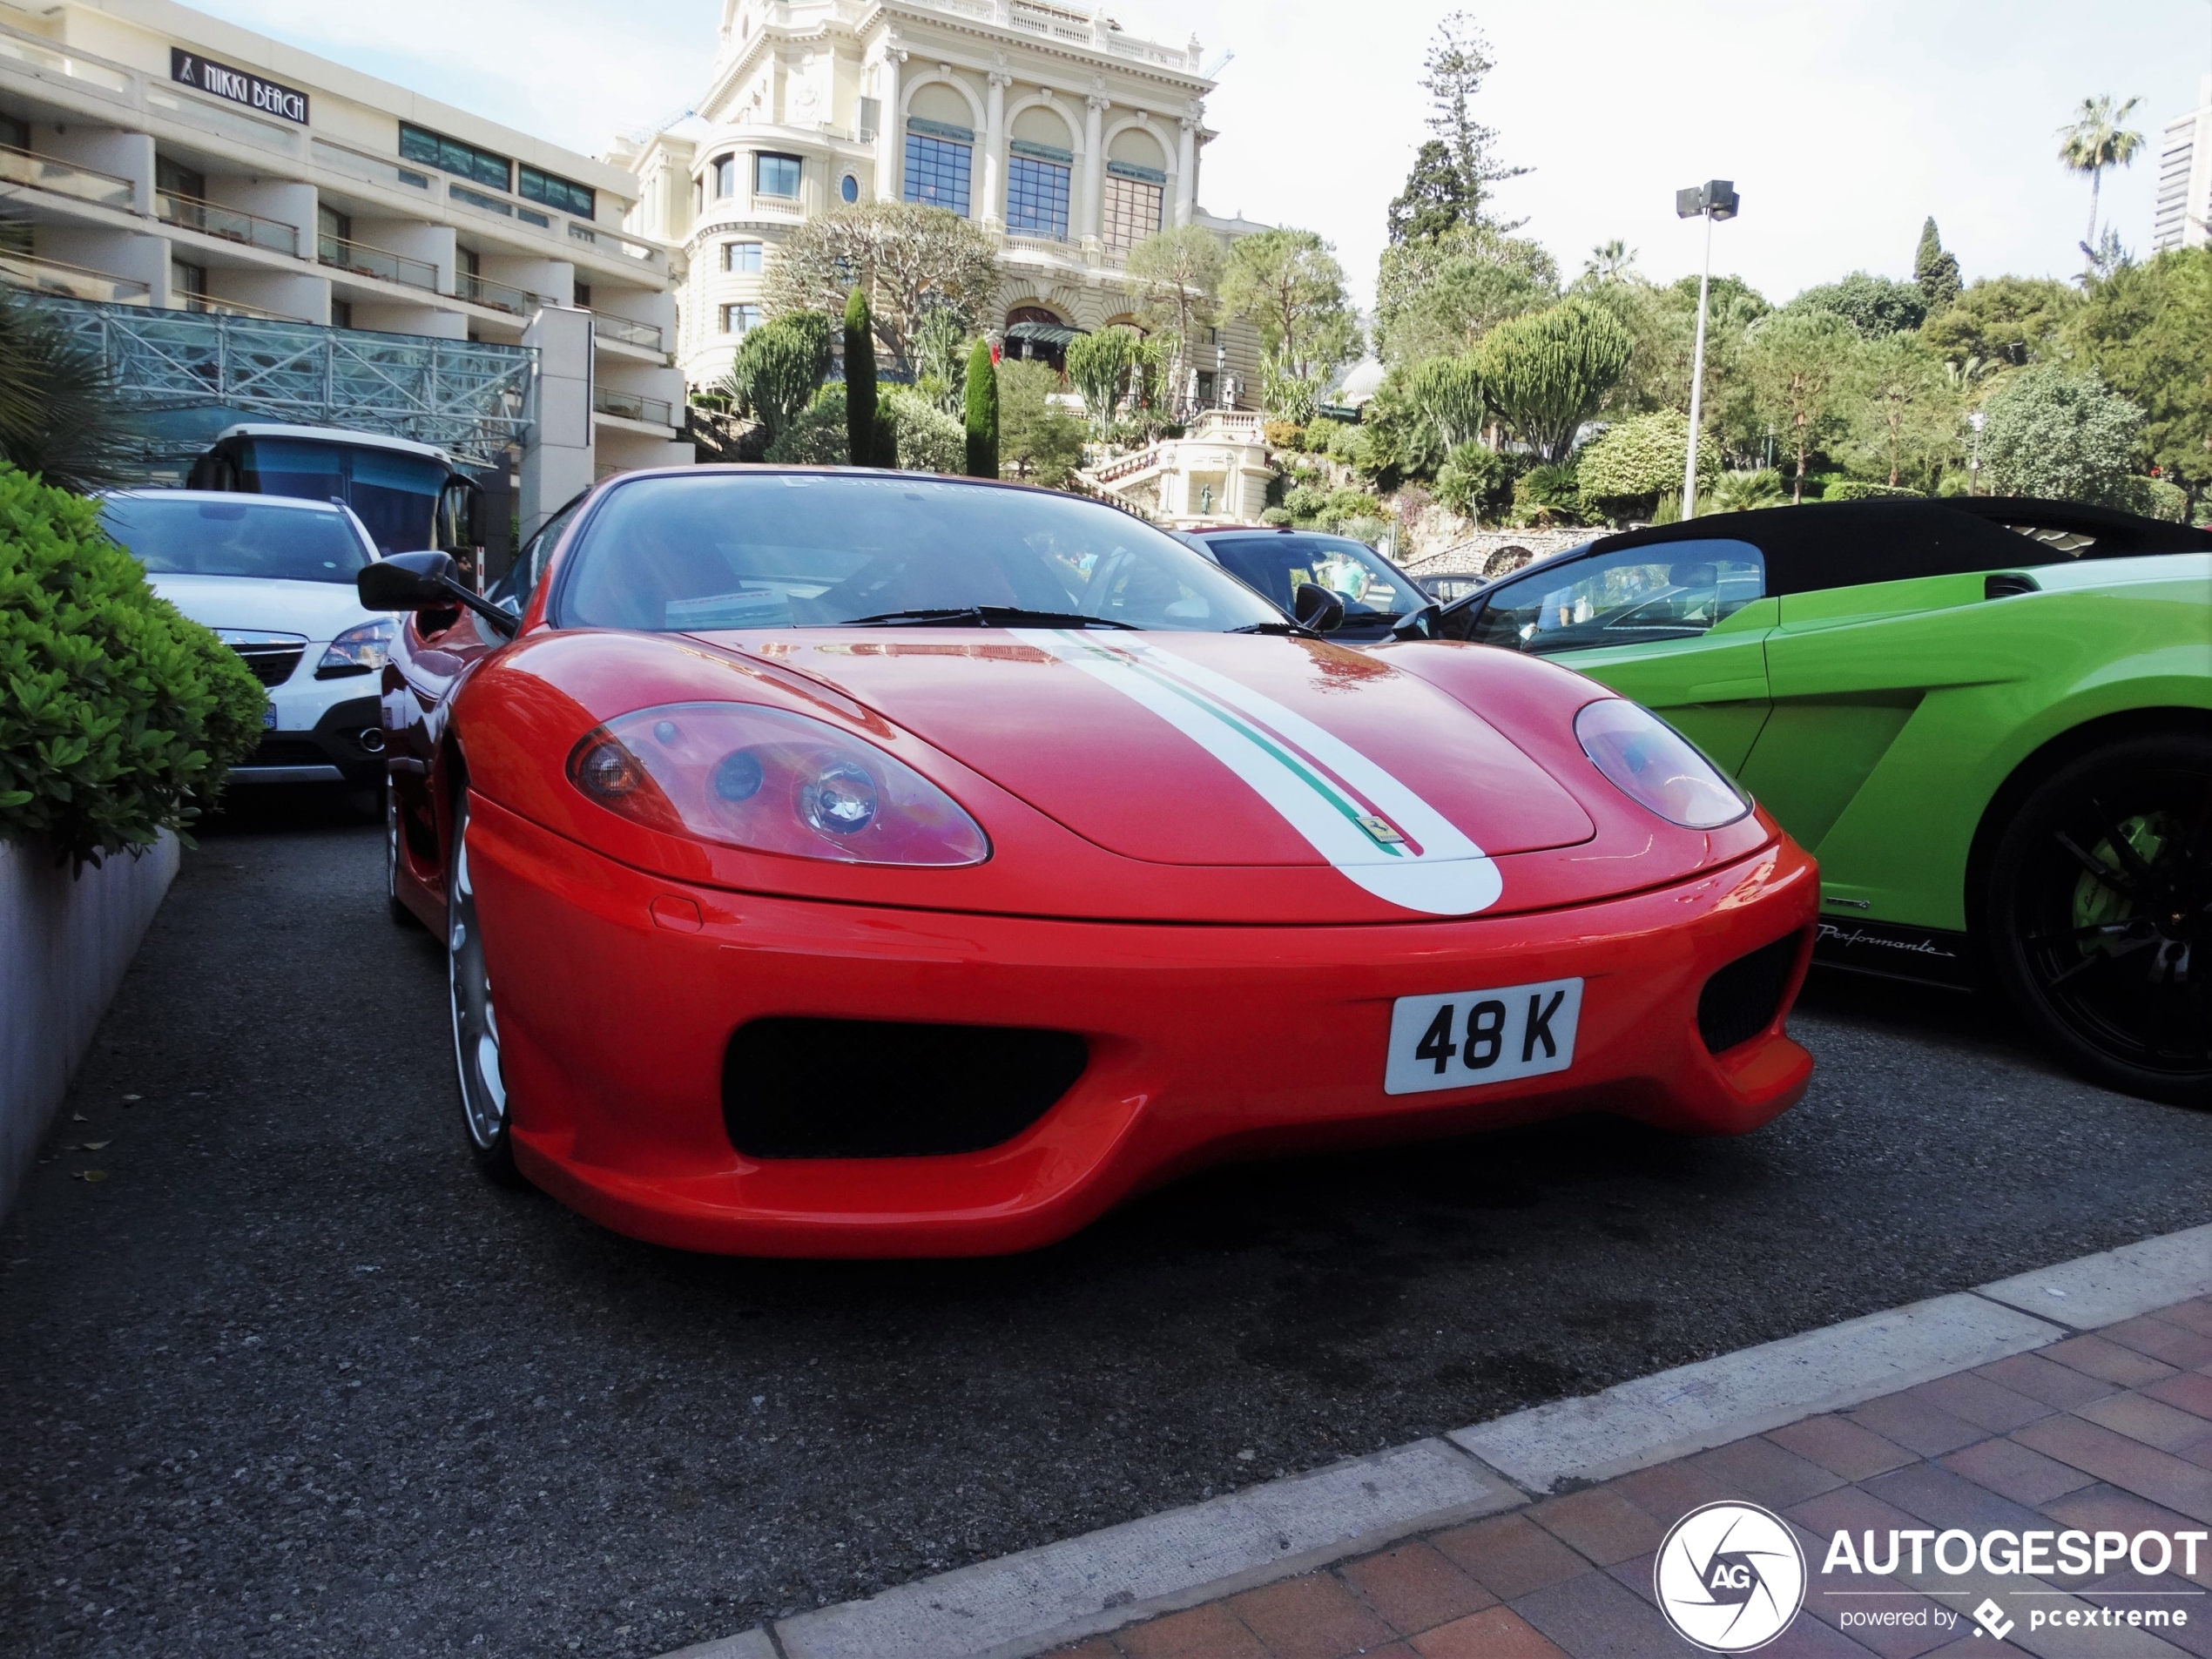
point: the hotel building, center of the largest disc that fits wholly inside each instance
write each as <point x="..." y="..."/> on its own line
<point x="1065" y="139"/>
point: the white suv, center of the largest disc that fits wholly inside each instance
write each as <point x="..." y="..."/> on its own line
<point x="275" y="579"/>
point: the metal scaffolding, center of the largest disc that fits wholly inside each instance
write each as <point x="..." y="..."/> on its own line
<point x="473" y="400"/>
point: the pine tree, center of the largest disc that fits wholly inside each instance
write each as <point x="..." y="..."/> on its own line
<point x="1451" y="175"/>
<point x="1433" y="200"/>
<point x="982" y="413"/>
<point x="1936" y="271"/>
<point x="860" y="380"/>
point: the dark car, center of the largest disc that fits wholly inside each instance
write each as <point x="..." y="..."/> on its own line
<point x="1377" y="595"/>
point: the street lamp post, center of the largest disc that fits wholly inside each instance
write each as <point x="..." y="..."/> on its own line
<point x="1712" y="201"/>
<point x="1974" y="467"/>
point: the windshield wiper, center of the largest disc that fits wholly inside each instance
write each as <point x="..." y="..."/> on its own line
<point x="982" y="617"/>
<point x="1290" y="629"/>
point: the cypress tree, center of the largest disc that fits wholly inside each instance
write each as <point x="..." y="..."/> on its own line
<point x="860" y="380"/>
<point x="982" y="413"/>
<point x="1936" y="271"/>
<point x="885" y="449"/>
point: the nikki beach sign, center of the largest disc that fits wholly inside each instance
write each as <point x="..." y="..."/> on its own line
<point x="238" y="85"/>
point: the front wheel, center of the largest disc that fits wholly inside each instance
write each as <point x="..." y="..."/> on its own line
<point x="2100" y="918"/>
<point x="475" y="1023"/>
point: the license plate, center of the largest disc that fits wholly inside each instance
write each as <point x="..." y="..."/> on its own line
<point x="269" y="717"/>
<point x="1463" y="1038"/>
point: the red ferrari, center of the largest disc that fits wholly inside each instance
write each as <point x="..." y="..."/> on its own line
<point x="878" y="864"/>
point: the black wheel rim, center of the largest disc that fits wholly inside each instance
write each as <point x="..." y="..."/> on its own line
<point x="475" y="1026"/>
<point x="2114" y="914"/>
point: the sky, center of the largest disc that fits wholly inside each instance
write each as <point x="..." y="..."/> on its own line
<point x="1843" y="123"/>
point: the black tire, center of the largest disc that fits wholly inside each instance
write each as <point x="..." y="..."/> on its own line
<point x="2099" y="916"/>
<point x="393" y="906"/>
<point x="485" y="1117"/>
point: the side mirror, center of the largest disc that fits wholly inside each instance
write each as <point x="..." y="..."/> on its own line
<point x="428" y="580"/>
<point x="1316" y="607"/>
<point x="1421" y="624"/>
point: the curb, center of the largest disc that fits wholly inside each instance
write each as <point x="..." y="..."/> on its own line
<point x="1030" y="1602"/>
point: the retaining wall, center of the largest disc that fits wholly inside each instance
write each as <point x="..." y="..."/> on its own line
<point x="64" y="943"/>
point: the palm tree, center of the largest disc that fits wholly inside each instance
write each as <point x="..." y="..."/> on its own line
<point x="61" y="415"/>
<point x="1609" y="261"/>
<point x="2095" y="140"/>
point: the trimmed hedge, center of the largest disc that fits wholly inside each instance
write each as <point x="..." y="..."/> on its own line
<point x="1859" y="489"/>
<point x="118" y="716"/>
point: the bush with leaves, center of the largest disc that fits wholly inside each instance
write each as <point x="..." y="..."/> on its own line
<point x="1744" y="491"/>
<point x="1548" y="495"/>
<point x="2152" y="498"/>
<point x="1293" y="399"/>
<point x="928" y="439"/>
<point x="818" y="436"/>
<point x="779" y="367"/>
<point x="940" y="359"/>
<point x="1284" y="434"/>
<point x="119" y="715"/>
<point x="1475" y="481"/>
<point x="1861" y="489"/>
<point x="2059" y="435"/>
<point x="1640" y="459"/>
<point x="1447" y="397"/>
<point x="980" y="422"/>
<point x="1874" y="306"/>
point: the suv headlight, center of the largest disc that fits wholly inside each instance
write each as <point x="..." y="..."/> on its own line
<point x="359" y="650"/>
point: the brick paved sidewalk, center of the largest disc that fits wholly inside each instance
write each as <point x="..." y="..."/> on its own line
<point x="2108" y="1432"/>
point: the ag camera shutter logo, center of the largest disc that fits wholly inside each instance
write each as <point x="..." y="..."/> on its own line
<point x="1730" y="1577"/>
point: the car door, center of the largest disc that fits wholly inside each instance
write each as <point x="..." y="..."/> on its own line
<point x="1678" y="626"/>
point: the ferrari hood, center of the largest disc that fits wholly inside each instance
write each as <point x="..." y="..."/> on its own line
<point x="1213" y="749"/>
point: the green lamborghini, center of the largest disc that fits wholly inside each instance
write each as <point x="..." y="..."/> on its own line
<point x="1990" y="719"/>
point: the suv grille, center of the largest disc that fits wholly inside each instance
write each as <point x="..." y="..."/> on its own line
<point x="877" y="1089"/>
<point x="1740" y="1000"/>
<point x="272" y="656"/>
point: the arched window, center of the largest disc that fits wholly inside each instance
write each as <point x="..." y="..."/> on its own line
<point x="726" y="177"/>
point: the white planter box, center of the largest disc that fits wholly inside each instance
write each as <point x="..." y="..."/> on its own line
<point x="64" y="943"/>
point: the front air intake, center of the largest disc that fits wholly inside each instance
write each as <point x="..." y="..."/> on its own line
<point x="880" y="1088"/>
<point x="1741" y="999"/>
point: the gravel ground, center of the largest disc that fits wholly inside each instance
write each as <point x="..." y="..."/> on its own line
<point x="292" y="1379"/>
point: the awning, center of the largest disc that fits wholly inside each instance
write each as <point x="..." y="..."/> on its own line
<point x="1044" y="334"/>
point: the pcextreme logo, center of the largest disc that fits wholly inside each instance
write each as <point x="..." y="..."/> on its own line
<point x="1730" y="1577"/>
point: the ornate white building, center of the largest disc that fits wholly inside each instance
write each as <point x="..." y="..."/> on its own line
<point x="1065" y="139"/>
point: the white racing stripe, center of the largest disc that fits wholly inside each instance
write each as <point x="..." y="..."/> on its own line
<point x="1361" y="819"/>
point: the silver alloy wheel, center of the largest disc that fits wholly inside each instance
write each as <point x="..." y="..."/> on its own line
<point x="476" y="1027"/>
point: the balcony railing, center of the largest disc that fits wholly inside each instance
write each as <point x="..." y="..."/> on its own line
<point x="232" y="224"/>
<point x="74" y="281"/>
<point x="60" y="178"/>
<point x="208" y="304"/>
<point x="499" y="296"/>
<point x="629" y="405"/>
<point x="644" y="334"/>
<point x="361" y="259"/>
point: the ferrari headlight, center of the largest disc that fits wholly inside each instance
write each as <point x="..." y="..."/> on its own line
<point x="1650" y="763"/>
<point x="359" y="650"/>
<point x="772" y="781"/>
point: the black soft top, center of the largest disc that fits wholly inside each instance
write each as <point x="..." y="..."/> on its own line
<point x="1840" y="545"/>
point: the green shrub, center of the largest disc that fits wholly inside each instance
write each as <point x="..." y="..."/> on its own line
<point x="1474" y="482"/>
<point x="928" y="439"/>
<point x="1551" y="494"/>
<point x="818" y="437"/>
<point x="1642" y="458"/>
<point x="119" y="716"/>
<point x="982" y="409"/>
<point x="2152" y="498"/>
<point x="1859" y="489"/>
<point x="1339" y="441"/>
<point x="1275" y="517"/>
<point x="1284" y="434"/>
<point x="1306" y="503"/>
<point x="779" y="369"/>
<point x="1346" y="505"/>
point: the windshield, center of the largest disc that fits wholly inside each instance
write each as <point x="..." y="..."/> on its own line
<point x="782" y="549"/>
<point x="1278" y="565"/>
<point x="240" y="537"/>
<point x="1670" y="590"/>
<point x="397" y="496"/>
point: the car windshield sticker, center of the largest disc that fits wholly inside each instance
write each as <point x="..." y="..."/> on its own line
<point x="1364" y="821"/>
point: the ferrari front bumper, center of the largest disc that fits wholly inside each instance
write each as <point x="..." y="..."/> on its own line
<point x="618" y="993"/>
